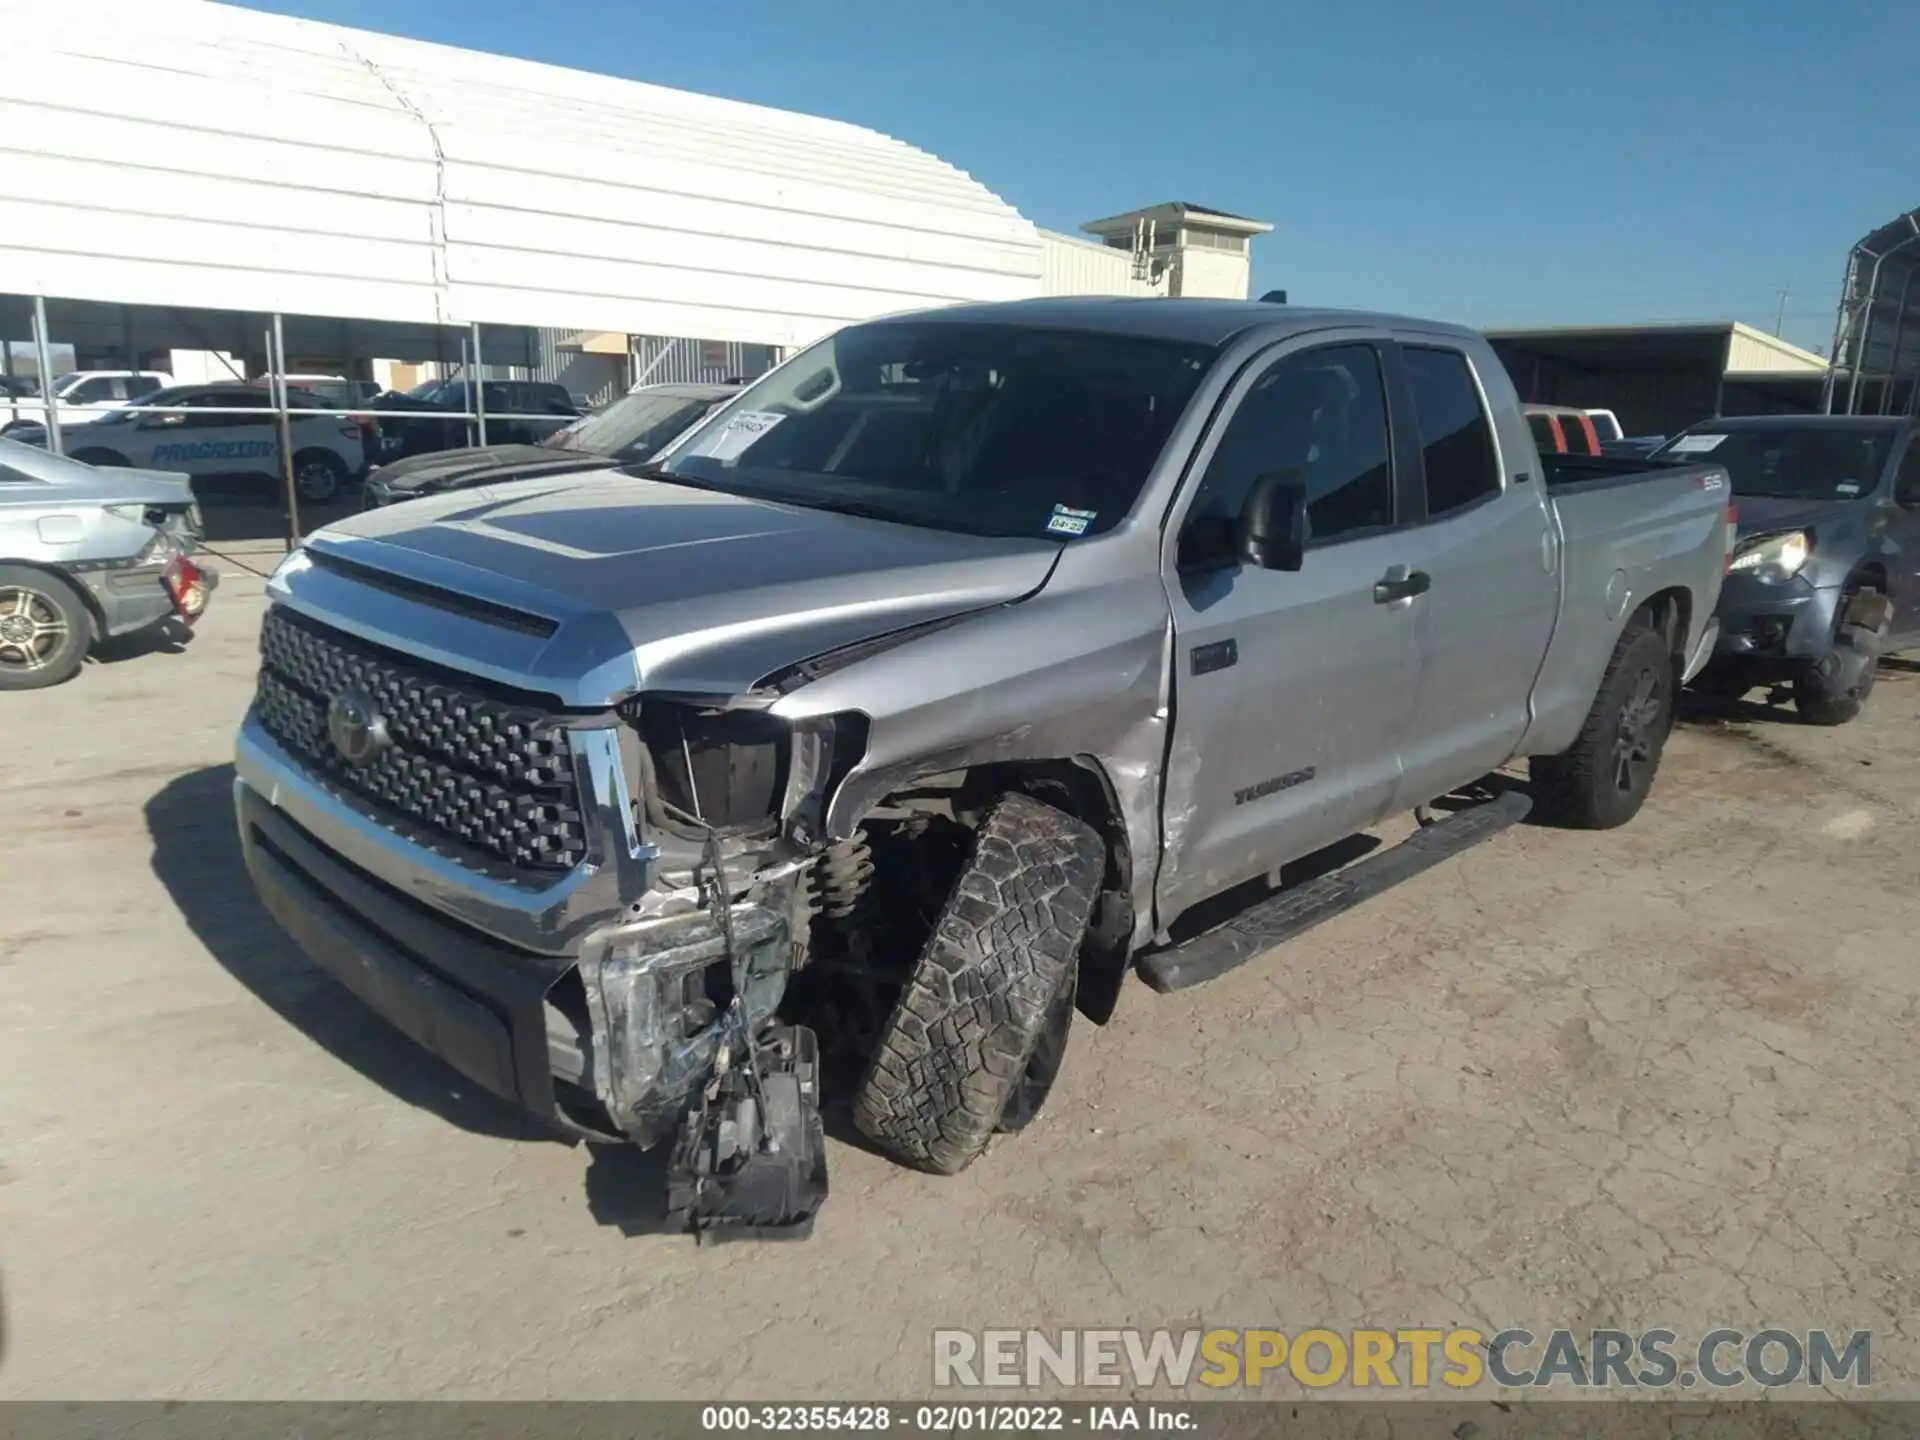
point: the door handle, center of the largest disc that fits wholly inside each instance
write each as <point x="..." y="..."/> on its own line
<point x="1401" y="587"/>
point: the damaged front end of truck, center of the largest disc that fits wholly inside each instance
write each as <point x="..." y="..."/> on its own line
<point x="659" y="855"/>
<point x="684" y="1040"/>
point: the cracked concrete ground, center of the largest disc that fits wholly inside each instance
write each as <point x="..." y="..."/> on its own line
<point x="1663" y="1076"/>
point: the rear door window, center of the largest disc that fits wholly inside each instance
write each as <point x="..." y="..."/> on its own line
<point x="1456" y="437"/>
<point x="223" y="400"/>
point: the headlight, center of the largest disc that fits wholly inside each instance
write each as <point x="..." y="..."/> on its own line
<point x="1774" y="559"/>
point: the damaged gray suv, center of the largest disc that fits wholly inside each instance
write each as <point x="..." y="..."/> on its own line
<point x="928" y="688"/>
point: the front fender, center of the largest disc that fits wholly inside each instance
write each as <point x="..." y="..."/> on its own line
<point x="1077" y="675"/>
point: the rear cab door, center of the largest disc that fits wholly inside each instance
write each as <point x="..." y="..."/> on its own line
<point x="1291" y="688"/>
<point x="1482" y="532"/>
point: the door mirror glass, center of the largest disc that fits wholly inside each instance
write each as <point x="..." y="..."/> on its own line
<point x="1272" y="533"/>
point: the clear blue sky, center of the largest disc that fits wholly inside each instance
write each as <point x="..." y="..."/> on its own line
<point x="1493" y="163"/>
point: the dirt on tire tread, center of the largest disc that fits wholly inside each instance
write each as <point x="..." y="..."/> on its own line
<point x="967" y="1023"/>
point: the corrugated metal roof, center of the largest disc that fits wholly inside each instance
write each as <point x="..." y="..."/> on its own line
<point x="1748" y="351"/>
<point x="179" y="152"/>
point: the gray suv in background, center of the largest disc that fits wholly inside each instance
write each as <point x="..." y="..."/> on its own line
<point x="928" y="686"/>
<point x="1826" y="576"/>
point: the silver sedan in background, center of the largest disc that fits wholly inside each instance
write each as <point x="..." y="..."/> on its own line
<point x="86" y="554"/>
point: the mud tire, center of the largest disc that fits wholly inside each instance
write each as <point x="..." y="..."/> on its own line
<point x="964" y="1035"/>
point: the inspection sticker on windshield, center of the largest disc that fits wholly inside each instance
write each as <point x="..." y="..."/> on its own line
<point x="1696" y="444"/>
<point x="1847" y="489"/>
<point x="1068" y="521"/>
<point x="739" y="433"/>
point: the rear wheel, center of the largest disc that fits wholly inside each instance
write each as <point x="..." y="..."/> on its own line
<point x="1603" y="780"/>
<point x="106" y="459"/>
<point x="45" y="629"/>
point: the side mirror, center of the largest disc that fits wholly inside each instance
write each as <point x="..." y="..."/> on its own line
<point x="1272" y="531"/>
<point x="162" y="422"/>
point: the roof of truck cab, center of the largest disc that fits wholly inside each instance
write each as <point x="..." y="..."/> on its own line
<point x="1201" y="322"/>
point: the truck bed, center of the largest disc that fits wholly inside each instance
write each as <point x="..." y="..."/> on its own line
<point x="1565" y="471"/>
<point x="1627" y="532"/>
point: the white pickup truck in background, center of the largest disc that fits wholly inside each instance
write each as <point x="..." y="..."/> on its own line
<point x="84" y="395"/>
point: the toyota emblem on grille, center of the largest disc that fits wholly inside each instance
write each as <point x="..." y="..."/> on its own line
<point x="358" y="731"/>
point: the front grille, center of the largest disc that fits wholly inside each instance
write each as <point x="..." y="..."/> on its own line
<point x="491" y="775"/>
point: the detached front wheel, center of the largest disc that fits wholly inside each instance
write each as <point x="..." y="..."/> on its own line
<point x="1604" y="779"/>
<point x="1836" y="690"/>
<point x="977" y="1036"/>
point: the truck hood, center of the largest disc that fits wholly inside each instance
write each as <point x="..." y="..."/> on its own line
<point x="594" y="587"/>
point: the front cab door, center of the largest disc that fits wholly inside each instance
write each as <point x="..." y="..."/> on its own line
<point x="1291" y="688"/>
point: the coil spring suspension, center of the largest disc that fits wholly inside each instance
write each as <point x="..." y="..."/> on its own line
<point x="841" y="877"/>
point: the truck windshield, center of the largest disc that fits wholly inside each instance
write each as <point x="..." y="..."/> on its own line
<point x="634" y="427"/>
<point x="986" y="429"/>
<point x="1789" y="462"/>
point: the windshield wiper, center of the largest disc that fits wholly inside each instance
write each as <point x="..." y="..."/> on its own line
<point x="863" y="510"/>
<point x="642" y="470"/>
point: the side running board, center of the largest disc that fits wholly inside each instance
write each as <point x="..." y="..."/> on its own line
<point x="1292" y="912"/>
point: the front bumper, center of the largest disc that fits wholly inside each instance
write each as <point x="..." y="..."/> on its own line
<point x="478" y="1005"/>
<point x="583" y="1001"/>
<point x="1789" y="624"/>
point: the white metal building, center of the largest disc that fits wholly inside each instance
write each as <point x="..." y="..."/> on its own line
<point x="188" y="154"/>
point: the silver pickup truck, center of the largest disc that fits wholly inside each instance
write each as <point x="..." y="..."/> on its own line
<point x="927" y="687"/>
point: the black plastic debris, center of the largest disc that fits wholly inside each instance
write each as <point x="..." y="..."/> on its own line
<point x="751" y="1159"/>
